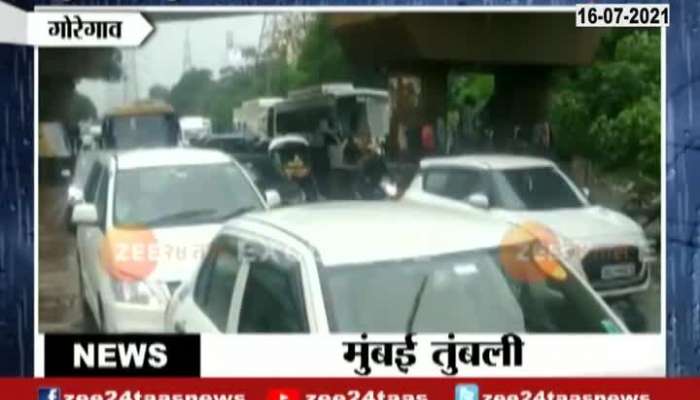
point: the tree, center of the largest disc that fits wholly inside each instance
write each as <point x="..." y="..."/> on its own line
<point x="159" y="92"/>
<point x="610" y="112"/>
<point x="321" y="58"/>
<point x="469" y="90"/>
<point x="81" y="109"/>
<point x="191" y="93"/>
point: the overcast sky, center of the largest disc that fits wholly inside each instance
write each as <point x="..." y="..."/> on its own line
<point x="160" y="59"/>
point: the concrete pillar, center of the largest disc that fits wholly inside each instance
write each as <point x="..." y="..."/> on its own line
<point x="520" y="99"/>
<point x="419" y="99"/>
<point x="433" y="95"/>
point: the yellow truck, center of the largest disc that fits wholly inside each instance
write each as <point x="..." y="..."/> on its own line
<point x="141" y="124"/>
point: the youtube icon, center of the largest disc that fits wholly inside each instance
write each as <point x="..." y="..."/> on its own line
<point x="283" y="394"/>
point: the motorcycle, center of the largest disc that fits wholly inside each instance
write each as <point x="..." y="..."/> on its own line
<point x="374" y="182"/>
<point x="291" y="155"/>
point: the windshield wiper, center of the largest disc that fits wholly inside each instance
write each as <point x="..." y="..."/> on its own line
<point x="178" y="216"/>
<point x="236" y="212"/>
<point x="416" y="304"/>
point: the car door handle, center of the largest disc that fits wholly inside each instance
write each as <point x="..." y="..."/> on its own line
<point x="180" y="327"/>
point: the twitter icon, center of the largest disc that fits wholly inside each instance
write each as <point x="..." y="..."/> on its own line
<point x="467" y="392"/>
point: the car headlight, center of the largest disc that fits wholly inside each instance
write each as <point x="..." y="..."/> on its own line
<point x="141" y="292"/>
<point x="648" y="251"/>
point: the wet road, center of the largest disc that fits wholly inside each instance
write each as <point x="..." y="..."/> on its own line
<point x="60" y="305"/>
<point x="59" y="302"/>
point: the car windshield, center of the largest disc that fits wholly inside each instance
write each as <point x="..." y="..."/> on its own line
<point x="179" y="195"/>
<point x="460" y="292"/>
<point x="143" y="131"/>
<point x="262" y="170"/>
<point x="229" y="144"/>
<point x="540" y="188"/>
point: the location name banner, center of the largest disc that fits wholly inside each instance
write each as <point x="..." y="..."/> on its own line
<point x="72" y="28"/>
<point x="361" y="355"/>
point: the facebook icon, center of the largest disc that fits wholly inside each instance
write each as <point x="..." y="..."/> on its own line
<point x="49" y="394"/>
<point x="467" y="392"/>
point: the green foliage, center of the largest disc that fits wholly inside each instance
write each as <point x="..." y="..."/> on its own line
<point x="159" y="92"/>
<point x="610" y="111"/>
<point x="472" y="90"/>
<point x="192" y="92"/>
<point x="81" y="109"/>
<point x="321" y="59"/>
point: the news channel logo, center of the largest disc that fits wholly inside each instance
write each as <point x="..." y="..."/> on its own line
<point x="49" y="393"/>
<point x="467" y="392"/>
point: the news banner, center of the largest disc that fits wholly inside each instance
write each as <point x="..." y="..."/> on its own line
<point x="468" y="200"/>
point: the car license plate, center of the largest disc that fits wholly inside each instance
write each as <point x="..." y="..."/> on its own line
<point x="617" y="271"/>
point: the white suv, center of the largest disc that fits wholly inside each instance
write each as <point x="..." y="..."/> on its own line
<point x="378" y="267"/>
<point x="610" y="247"/>
<point x="146" y="220"/>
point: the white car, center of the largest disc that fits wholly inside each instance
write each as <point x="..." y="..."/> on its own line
<point x="146" y="220"/>
<point x="609" y="247"/>
<point x="377" y="267"/>
<point x="76" y="188"/>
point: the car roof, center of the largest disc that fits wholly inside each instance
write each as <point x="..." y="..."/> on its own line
<point x="229" y="136"/>
<point x="147" y="107"/>
<point x="350" y="232"/>
<point x="487" y="161"/>
<point x="162" y="157"/>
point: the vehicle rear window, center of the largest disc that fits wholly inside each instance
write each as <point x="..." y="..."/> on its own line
<point x="142" y="131"/>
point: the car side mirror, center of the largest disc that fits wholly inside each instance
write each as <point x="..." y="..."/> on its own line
<point x="273" y="198"/>
<point x="75" y="195"/>
<point x="586" y="192"/>
<point x="478" y="200"/>
<point x="65" y="173"/>
<point x="84" y="214"/>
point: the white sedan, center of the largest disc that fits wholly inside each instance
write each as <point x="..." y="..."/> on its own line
<point x="379" y="267"/>
<point x="610" y="247"/>
<point x="146" y="220"/>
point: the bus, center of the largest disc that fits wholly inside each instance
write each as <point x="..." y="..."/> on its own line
<point x="329" y="117"/>
<point x="141" y="124"/>
<point x="340" y="108"/>
<point x="251" y="116"/>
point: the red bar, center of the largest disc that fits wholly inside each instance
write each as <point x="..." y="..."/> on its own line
<point x="352" y="389"/>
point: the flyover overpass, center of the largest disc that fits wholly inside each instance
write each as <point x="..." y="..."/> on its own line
<point x="519" y="49"/>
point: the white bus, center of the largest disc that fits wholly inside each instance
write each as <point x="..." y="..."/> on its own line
<point x="340" y="108"/>
<point x="251" y="116"/>
<point x="329" y="117"/>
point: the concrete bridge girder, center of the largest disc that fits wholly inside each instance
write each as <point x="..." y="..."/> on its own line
<point x="519" y="49"/>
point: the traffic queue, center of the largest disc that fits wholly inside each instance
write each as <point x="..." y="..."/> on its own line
<point x="241" y="233"/>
